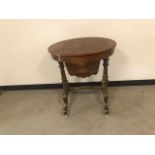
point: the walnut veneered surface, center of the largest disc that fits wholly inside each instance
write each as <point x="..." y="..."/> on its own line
<point x="82" y="55"/>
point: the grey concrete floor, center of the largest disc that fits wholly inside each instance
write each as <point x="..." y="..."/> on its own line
<point x="39" y="112"/>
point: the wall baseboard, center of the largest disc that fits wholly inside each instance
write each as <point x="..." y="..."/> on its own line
<point x="58" y="85"/>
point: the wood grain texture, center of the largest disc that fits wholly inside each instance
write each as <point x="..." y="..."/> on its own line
<point x="82" y="55"/>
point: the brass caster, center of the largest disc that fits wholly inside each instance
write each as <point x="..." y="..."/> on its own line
<point x="106" y="115"/>
<point x="66" y="116"/>
<point x="106" y="112"/>
<point x="65" y="112"/>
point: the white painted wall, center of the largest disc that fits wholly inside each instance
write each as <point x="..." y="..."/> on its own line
<point x="24" y="58"/>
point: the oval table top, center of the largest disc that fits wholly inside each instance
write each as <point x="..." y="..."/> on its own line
<point x="82" y="47"/>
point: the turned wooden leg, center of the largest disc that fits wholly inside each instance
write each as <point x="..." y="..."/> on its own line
<point x="65" y="88"/>
<point x="105" y="86"/>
